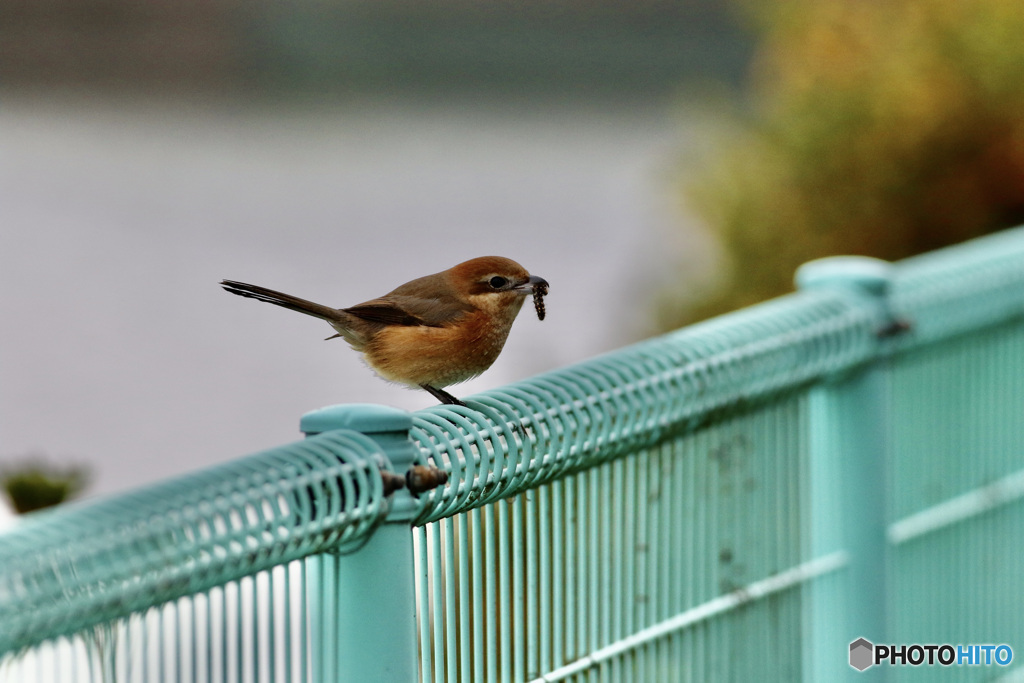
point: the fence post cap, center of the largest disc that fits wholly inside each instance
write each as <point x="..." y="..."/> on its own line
<point x="869" y="274"/>
<point x="368" y="418"/>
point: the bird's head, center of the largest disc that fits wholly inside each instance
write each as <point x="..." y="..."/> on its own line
<point x="494" y="283"/>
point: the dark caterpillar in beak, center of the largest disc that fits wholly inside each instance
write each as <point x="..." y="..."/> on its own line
<point x="539" y="292"/>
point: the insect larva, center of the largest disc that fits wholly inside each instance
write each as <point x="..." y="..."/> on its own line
<point x="539" y="292"/>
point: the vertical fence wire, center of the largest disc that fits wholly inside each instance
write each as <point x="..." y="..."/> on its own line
<point x="956" y="568"/>
<point x="584" y="563"/>
<point x="249" y="631"/>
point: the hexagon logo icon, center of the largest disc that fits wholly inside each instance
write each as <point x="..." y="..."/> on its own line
<point x="861" y="654"/>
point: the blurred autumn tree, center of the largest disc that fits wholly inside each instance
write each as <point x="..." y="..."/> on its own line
<point x="883" y="128"/>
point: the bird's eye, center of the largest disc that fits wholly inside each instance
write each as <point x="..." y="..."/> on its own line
<point x="497" y="282"/>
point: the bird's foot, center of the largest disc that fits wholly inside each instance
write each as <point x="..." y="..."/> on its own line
<point x="447" y="399"/>
<point x="443" y="396"/>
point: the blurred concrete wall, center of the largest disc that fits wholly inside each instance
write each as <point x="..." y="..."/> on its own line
<point x="367" y="44"/>
<point x="133" y="43"/>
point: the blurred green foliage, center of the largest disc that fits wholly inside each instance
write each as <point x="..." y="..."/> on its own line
<point x="36" y="486"/>
<point x="883" y="128"/>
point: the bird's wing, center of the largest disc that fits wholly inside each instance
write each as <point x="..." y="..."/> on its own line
<point x="409" y="310"/>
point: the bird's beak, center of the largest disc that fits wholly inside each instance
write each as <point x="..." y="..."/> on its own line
<point x="535" y="282"/>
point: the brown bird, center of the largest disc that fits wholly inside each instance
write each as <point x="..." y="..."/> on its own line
<point x="433" y="331"/>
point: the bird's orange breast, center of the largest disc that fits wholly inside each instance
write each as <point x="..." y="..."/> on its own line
<point x="439" y="356"/>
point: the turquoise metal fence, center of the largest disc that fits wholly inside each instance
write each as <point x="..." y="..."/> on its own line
<point x="736" y="501"/>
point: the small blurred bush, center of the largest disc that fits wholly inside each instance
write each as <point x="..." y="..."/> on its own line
<point x="883" y="128"/>
<point x="36" y="486"/>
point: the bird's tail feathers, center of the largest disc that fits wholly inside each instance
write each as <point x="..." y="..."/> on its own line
<point x="288" y="301"/>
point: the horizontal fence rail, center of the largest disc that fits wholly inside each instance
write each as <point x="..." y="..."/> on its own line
<point x="536" y="430"/>
<point x="83" y="564"/>
<point x="637" y="516"/>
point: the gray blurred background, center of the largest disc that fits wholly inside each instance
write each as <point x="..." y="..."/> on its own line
<point x="333" y="150"/>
